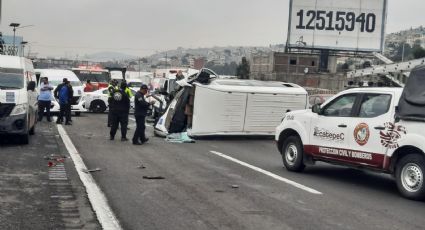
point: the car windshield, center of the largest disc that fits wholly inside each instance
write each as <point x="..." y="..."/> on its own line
<point x="73" y="83"/>
<point x="135" y="84"/>
<point x="11" y="79"/>
<point x="93" y="76"/>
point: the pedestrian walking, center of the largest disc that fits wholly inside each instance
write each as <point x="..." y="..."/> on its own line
<point x="64" y="94"/>
<point x="44" y="99"/>
<point x="141" y="107"/>
<point x="119" y="108"/>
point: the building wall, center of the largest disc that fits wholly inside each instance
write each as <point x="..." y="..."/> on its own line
<point x="300" y="69"/>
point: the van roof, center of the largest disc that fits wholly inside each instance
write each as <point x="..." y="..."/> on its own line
<point x="254" y="86"/>
<point x="57" y="74"/>
<point x="12" y="62"/>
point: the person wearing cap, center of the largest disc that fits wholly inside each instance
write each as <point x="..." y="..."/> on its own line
<point x="141" y="107"/>
<point x="64" y="93"/>
<point x="119" y="108"/>
<point x="112" y="87"/>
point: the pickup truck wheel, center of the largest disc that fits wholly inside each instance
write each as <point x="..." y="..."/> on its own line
<point x="98" y="106"/>
<point x="410" y="176"/>
<point x="292" y="154"/>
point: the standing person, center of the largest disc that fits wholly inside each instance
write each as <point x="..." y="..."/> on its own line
<point x="179" y="75"/>
<point x="119" y="108"/>
<point x="113" y="86"/>
<point x="64" y="94"/>
<point x="44" y="99"/>
<point x="141" y="108"/>
<point x="89" y="86"/>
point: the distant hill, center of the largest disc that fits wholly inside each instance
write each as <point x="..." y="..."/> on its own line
<point x="108" y="56"/>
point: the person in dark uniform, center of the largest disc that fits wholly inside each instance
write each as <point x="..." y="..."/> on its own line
<point x="64" y="94"/>
<point x="141" y="107"/>
<point x="119" y="108"/>
<point x="113" y="86"/>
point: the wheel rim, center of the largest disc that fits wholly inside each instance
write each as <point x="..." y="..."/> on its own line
<point x="291" y="154"/>
<point x="412" y="177"/>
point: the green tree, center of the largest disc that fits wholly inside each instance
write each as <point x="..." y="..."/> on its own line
<point x="243" y="69"/>
<point x="418" y="52"/>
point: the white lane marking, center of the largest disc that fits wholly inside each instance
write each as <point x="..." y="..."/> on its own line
<point x="147" y="125"/>
<point x="267" y="173"/>
<point x="104" y="213"/>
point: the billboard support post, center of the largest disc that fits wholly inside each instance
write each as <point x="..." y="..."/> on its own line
<point x="324" y="60"/>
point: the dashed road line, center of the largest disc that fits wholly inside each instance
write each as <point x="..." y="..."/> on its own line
<point x="104" y="213"/>
<point x="267" y="173"/>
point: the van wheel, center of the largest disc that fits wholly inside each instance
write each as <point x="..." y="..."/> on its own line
<point x="77" y="114"/>
<point x="98" y="106"/>
<point x="292" y="154"/>
<point x="32" y="130"/>
<point x="410" y="176"/>
<point x="25" y="139"/>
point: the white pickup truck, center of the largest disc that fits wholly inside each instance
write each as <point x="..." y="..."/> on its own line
<point x="358" y="128"/>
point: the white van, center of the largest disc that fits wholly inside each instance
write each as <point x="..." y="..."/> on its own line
<point x="56" y="77"/>
<point x="230" y="107"/>
<point x="18" y="97"/>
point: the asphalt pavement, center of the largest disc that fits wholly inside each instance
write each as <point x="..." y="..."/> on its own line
<point x="233" y="183"/>
<point x="35" y="196"/>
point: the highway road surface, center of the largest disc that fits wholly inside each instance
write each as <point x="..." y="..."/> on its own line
<point x="232" y="183"/>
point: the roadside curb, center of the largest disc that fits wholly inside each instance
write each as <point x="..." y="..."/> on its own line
<point x="97" y="198"/>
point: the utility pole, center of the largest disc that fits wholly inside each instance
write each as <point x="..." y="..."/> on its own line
<point x="139" y="67"/>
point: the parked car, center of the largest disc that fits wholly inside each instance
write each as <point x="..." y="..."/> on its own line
<point x="97" y="101"/>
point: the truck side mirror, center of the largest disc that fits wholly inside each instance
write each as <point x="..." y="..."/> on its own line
<point x="316" y="109"/>
<point x="31" y="86"/>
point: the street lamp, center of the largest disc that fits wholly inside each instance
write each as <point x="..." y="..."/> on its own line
<point x="14" y="25"/>
<point x="23" y="43"/>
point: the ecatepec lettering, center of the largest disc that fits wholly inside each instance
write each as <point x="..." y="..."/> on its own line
<point x="325" y="134"/>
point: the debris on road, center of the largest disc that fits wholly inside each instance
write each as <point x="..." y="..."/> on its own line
<point x="153" y="177"/>
<point x="141" y="166"/>
<point x="91" y="170"/>
<point x="179" y="138"/>
<point x="234" y="186"/>
<point x="219" y="190"/>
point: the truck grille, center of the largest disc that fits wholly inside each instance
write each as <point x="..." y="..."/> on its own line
<point x="75" y="100"/>
<point x="6" y="109"/>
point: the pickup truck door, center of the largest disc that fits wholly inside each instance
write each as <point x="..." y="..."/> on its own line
<point x="373" y="116"/>
<point x="330" y="129"/>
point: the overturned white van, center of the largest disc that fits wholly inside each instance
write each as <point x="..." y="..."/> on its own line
<point x="215" y="106"/>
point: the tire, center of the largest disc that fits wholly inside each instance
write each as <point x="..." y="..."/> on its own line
<point x="98" y="106"/>
<point x="77" y="114"/>
<point x="292" y="154"/>
<point x="32" y="130"/>
<point x="409" y="174"/>
<point x="25" y="139"/>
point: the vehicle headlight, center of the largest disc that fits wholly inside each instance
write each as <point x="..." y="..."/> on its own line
<point x="19" y="109"/>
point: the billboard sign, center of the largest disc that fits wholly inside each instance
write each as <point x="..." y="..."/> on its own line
<point x="346" y="25"/>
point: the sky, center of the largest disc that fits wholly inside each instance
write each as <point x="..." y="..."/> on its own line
<point x="68" y="28"/>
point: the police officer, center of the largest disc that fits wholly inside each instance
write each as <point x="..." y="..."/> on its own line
<point x="112" y="87"/>
<point x="140" y="110"/>
<point x="119" y="108"/>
